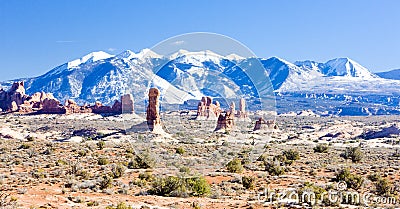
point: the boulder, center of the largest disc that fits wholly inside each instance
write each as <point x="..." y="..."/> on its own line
<point x="225" y="121"/>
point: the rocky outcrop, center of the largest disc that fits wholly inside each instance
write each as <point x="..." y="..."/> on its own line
<point x="207" y="110"/>
<point x="10" y="100"/>
<point x="262" y="124"/>
<point x="127" y="104"/>
<point x="232" y="108"/>
<point x="99" y="108"/>
<point x="385" y="132"/>
<point x="242" y="109"/>
<point x="15" y="99"/>
<point x="52" y="106"/>
<point x="225" y="121"/>
<point x="152" y="112"/>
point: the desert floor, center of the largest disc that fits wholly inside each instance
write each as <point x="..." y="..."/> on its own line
<point x="60" y="161"/>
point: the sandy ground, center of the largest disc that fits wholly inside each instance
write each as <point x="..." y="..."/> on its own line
<point x="51" y="161"/>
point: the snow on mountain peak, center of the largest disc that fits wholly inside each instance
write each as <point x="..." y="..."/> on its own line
<point x="346" y="67"/>
<point x="144" y="53"/>
<point x="179" y="53"/>
<point x="234" y="57"/>
<point x="91" y="57"/>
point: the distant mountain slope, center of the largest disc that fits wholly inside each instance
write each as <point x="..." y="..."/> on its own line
<point x="99" y="77"/>
<point x="185" y="75"/>
<point x="392" y="74"/>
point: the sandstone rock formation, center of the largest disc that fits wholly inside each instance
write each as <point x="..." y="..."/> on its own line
<point x="15" y="96"/>
<point x="152" y="112"/>
<point x="225" y="121"/>
<point x="385" y="132"/>
<point x="72" y="107"/>
<point x="262" y="124"/>
<point x="127" y="104"/>
<point x="242" y="109"/>
<point x="99" y="108"/>
<point x="51" y="106"/>
<point x="207" y="110"/>
<point x="232" y="108"/>
<point x="15" y="99"/>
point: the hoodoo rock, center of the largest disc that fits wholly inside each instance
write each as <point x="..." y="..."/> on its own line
<point x="232" y="108"/>
<point x="127" y="103"/>
<point x="207" y="110"/>
<point x="225" y="121"/>
<point x="242" y="109"/>
<point x="262" y="124"/>
<point x="152" y="112"/>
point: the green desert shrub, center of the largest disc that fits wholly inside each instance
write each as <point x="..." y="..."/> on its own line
<point x="262" y="157"/>
<point x="147" y="176"/>
<point x="102" y="161"/>
<point x="291" y="154"/>
<point x="120" y="205"/>
<point x="352" y="180"/>
<point x="143" y="160"/>
<point x="180" y="186"/>
<point x="274" y="168"/>
<point x="374" y="177"/>
<point x="101" y="145"/>
<point x="384" y="187"/>
<point x="287" y="157"/>
<point x="235" y="166"/>
<point x="105" y="182"/>
<point x="248" y="182"/>
<point x="117" y="170"/>
<point x="318" y="191"/>
<point x="24" y="146"/>
<point x="180" y="150"/>
<point x="353" y="153"/>
<point x="321" y="148"/>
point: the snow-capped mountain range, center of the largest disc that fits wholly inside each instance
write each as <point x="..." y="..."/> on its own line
<point x="184" y="75"/>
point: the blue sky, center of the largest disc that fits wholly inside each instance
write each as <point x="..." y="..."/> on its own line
<point x="36" y="36"/>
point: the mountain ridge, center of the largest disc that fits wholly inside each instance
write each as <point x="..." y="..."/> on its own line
<point x="184" y="75"/>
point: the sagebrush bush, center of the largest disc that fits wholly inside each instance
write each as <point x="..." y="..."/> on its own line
<point x="144" y="161"/>
<point x="318" y="191"/>
<point x="273" y="168"/>
<point x="235" y="166"/>
<point x="101" y="145"/>
<point x="180" y="186"/>
<point x="102" y="161"/>
<point x="147" y="176"/>
<point x="352" y="180"/>
<point x="383" y="187"/>
<point x="353" y="153"/>
<point x="291" y="154"/>
<point x="287" y="157"/>
<point x="120" y="205"/>
<point x="321" y="148"/>
<point x="117" y="170"/>
<point x="248" y="182"/>
<point x="180" y="150"/>
<point x="105" y="182"/>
